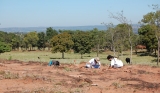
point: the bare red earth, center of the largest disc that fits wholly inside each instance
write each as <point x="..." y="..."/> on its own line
<point x="36" y="77"/>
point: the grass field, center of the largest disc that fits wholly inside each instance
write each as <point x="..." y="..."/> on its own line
<point x="72" y="57"/>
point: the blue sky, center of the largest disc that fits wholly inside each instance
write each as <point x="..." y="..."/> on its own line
<point x="46" y="13"/>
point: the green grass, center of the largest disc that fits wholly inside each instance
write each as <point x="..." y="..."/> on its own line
<point x="71" y="57"/>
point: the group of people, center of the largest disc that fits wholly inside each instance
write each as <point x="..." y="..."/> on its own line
<point x="95" y="62"/>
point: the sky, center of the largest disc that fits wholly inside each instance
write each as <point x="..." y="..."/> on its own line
<point x="49" y="13"/>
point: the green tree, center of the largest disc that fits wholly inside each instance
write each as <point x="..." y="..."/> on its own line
<point x="3" y="36"/>
<point x="4" y="47"/>
<point x="153" y="19"/>
<point x="120" y="38"/>
<point x="10" y="38"/>
<point x="21" y="39"/>
<point x="110" y="37"/>
<point x="31" y="39"/>
<point x="50" y="33"/>
<point x="15" y="40"/>
<point x="41" y="42"/>
<point x="97" y="40"/>
<point x="62" y="43"/>
<point x="82" y="42"/>
<point x="148" y="37"/>
<point x="123" y="20"/>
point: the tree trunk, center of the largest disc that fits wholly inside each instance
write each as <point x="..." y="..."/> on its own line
<point x="43" y="47"/>
<point x="131" y="55"/>
<point x="114" y="51"/>
<point x="97" y="50"/>
<point x="62" y="55"/>
<point x="81" y="56"/>
<point x="49" y="47"/>
<point x="158" y="49"/>
<point x="155" y="52"/>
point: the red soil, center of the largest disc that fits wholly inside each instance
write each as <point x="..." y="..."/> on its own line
<point x="34" y="77"/>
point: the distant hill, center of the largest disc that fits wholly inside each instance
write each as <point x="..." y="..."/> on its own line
<point x="43" y="29"/>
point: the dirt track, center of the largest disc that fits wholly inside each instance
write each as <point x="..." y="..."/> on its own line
<point x="33" y="77"/>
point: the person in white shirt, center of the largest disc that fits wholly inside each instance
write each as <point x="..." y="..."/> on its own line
<point x="93" y="63"/>
<point x="115" y="63"/>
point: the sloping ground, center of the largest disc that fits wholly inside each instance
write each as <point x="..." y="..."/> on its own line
<point x="36" y="77"/>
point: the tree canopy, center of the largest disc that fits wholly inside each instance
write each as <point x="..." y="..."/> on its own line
<point x="31" y="39"/>
<point x="62" y="43"/>
<point x="4" y="47"/>
<point x="82" y="42"/>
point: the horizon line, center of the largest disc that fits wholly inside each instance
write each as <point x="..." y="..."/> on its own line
<point x="55" y="26"/>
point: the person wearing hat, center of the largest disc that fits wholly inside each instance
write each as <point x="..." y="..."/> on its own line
<point x="93" y="63"/>
<point x="115" y="63"/>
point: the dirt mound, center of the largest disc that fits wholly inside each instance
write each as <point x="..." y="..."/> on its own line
<point x="36" y="77"/>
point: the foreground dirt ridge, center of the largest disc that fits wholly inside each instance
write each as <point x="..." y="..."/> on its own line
<point x="36" y="77"/>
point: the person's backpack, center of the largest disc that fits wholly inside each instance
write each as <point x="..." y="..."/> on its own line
<point x="50" y="63"/>
<point x="53" y="62"/>
<point x="56" y="63"/>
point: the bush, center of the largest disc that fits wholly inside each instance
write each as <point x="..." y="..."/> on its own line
<point x="4" y="47"/>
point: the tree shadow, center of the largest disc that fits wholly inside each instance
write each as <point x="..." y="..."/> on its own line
<point x="58" y="58"/>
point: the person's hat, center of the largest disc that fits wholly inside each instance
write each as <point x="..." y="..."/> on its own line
<point x="97" y="59"/>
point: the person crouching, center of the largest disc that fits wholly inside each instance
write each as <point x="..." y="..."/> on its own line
<point x="54" y="62"/>
<point x="93" y="63"/>
<point x="115" y="63"/>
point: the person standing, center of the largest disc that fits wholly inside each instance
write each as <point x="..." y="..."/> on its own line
<point x="115" y="63"/>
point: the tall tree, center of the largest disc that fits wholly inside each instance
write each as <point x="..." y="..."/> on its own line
<point x="121" y="38"/>
<point x="148" y="37"/>
<point x="10" y="38"/>
<point x="82" y="42"/>
<point x="15" y="40"/>
<point x="62" y="43"/>
<point x="41" y="42"/>
<point x="153" y="19"/>
<point x="22" y="43"/>
<point x="4" y="47"/>
<point x="31" y="39"/>
<point x="3" y="36"/>
<point x="98" y="38"/>
<point x="123" y="20"/>
<point x="50" y="33"/>
<point x="110" y="36"/>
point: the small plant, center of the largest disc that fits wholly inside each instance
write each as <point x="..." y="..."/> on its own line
<point x="117" y="85"/>
<point x="84" y="84"/>
<point x="77" y="90"/>
<point x="2" y="72"/>
<point x="10" y="58"/>
<point x="67" y="69"/>
<point x="95" y="72"/>
<point x="39" y="90"/>
<point x="9" y="75"/>
<point x="103" y="64"/>
<point x="59" y="83"/>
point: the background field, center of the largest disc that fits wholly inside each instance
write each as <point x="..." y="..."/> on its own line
<point x="46" y="56"/>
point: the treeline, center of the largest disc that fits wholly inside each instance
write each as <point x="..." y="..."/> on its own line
<point x="115" y="38"/>
<point x="65" y="40"/>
